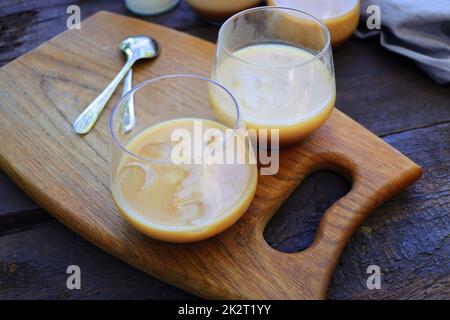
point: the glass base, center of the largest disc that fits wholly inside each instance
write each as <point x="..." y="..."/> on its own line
<point x="145" y="8"/>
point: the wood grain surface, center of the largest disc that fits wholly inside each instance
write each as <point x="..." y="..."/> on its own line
<point x="408" y="236"/>
<point x="68" y="175"/>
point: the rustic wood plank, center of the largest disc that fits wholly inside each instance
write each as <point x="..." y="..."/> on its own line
<point x="26" y="24"/>
<point x="384" y="92"/>
<point x="405" y="237"/>
<point x="12" y="198"/>
<point x="355" y="62"/>
<point x="68" y="175"/>
<point x="17" y="210"/>
<point x="33" y="265"/>
<point x="411" y="100"/>
<point x="30" y="272"/>
<point x="294" y="226"/>
<point x="408" y="237"/>
<point x="17" y="221"/>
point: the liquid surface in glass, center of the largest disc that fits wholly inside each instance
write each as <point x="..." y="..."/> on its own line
<point x="179" y="194"/>
<point x="277" y="86"/>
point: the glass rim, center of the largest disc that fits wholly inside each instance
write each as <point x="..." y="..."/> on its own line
<point x="316" y="56"/>
<point x="157" y="79"/>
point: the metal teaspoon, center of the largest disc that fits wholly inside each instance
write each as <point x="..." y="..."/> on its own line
<point x="128" y="118"/>
<point x="135" y="48"/>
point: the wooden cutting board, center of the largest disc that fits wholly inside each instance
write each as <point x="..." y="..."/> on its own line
<point x="41" y="94"/>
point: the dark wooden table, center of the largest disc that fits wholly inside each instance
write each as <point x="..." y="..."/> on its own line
<point x="408" y="237"/>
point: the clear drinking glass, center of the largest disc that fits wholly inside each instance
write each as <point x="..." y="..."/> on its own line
<point x="278" y="63"/>
<point x="176" y="194"/>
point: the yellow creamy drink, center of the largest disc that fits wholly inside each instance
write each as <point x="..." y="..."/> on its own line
<point x="277" y="86"/>
<point x="181" y="202"/>
<point x="220" y="10"/>
<point x="341" y="17"/>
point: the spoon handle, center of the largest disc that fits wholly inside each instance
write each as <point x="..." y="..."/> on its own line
<point x="128" y="117"/>
<point x="84" y="123"/>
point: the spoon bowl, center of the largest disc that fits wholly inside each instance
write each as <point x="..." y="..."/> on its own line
<point x="140" y="47"/>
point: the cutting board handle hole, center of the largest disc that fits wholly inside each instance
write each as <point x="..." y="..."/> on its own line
<point x="293" y="228"/>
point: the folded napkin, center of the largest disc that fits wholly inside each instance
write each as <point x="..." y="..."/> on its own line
<point x="418" y="29"/>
